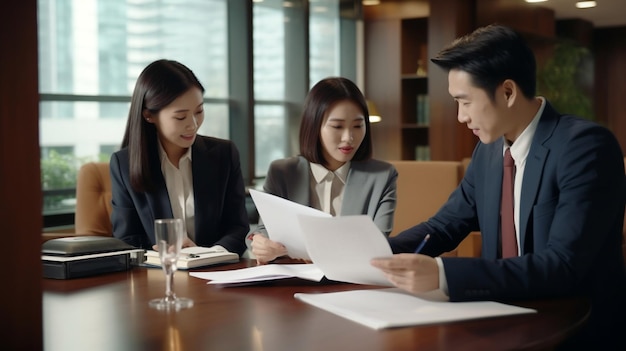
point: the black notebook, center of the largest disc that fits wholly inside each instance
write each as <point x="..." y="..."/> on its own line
<point x="82" y="256"/>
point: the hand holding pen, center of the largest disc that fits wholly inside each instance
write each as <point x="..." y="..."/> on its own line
<point x="421" y="245"/>
<point x="409" y="271"/>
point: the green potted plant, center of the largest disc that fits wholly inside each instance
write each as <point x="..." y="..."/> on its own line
<point x="566" y="78"/>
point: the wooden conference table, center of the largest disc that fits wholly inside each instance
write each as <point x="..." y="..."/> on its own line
<point x="111" y="312"/>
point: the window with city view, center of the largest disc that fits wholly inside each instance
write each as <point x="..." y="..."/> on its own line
<point x="91" y="52"/>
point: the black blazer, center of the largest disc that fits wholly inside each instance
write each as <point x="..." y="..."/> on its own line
<point x="219" y="195"/>
<point x="571" y="217"/>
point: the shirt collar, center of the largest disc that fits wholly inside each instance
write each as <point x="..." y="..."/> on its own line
<point x="320" y="172"/>
<point x="163" y="155"/>
<point x="520" y="148"/>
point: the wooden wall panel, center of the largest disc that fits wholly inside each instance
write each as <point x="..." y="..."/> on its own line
<point x="382" y="84"/>
<point x="20" y="187"/>
<point x="449" y="139"/>
<point x="609" y="49"/>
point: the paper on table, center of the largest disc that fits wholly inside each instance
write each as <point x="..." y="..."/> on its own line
<point x="342" y="247"/>
<point x="262" y="273"/>
<point x="280" y="218"/>
<point x="387" y="308"/>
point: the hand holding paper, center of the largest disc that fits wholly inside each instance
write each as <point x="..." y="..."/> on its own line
<point x="342" y="247"/>
<point x="280" y="217"/>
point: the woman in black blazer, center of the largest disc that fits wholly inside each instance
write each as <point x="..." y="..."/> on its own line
<point x="166" y="170"/>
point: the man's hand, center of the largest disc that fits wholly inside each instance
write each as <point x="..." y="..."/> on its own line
<point x="266" y="250"/>
<point x="414" y="273"/>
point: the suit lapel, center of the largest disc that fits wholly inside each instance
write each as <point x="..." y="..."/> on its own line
<point x="535" y="162"/>
<point x="299" y="188"/>
<point x="158" y="200"/>
<point x="204" y="176"/>
<point x="493" y="194"/>
<point x="353" y="197"/>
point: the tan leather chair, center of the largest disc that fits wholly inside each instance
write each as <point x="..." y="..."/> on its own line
<point x="93" y="200"/>
<point x="422" y="188"/>
<point x="471" y="246"/>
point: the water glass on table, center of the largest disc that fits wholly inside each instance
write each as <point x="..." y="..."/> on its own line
<point x="169" y="240"/>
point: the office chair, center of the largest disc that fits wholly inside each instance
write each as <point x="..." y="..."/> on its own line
<point x="93" y="200"/>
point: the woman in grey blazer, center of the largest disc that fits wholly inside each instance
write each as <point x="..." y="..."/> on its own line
<point x="335" y="171"/>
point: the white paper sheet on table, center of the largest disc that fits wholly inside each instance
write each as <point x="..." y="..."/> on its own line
<point x="387" y="308"/>
<point x="280" y="217"/>
<point x="342" y="247"/>
<point x="262" y="273"/>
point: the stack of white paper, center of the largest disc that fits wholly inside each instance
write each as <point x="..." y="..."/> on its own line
<point x="261" y="273"/>
<point x="387" y="308"/>
<point x="341" y="247"/>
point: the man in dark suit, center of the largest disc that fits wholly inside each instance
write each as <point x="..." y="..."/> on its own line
<point x="568" y="197"/>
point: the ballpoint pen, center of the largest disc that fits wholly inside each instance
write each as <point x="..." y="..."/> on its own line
<point x="421" y="245"/>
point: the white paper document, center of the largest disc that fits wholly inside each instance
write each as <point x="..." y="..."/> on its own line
<point x="388" y="308"/>
<point x="280" y="217"/>
<point x="261" y="273"/>
<point x="342" y="247"/>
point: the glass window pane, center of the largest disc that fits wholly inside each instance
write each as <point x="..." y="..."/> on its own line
<point x="215" y="121"/>
<point x="58" y="178"/>
<point x="269" y="50"/>
<point x="85" y="127"/>
<point x="270" y="131"/>
<point x="95" y="47"/>
<point x="94" y="50"/>
<point x="323" y="40"/>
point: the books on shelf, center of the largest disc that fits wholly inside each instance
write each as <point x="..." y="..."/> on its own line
<point x="422" y="109"/>
<point x="194" y="257"/>
<point x="422" y="153"/>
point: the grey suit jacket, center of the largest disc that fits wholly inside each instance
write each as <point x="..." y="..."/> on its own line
<point x="370" y="188"/>
<point x="219" y="195"/>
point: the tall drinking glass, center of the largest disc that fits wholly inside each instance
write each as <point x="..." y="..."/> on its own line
<point x="169" y="239"/>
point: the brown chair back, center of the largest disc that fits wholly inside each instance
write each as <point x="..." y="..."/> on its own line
<point x="422" y="188"/>
<point x="93" y="200"/>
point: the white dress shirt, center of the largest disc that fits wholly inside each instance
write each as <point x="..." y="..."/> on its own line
<point x="179" y="183"/>
<point x="327" y="187"/>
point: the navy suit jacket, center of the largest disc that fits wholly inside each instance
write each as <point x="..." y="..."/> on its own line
<point x="370" y="188"/>
<point x="571" y="217"/>
<point x="219" y="195"/>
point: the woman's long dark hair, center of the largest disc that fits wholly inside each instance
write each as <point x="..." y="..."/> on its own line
<point x="160" y="83"/>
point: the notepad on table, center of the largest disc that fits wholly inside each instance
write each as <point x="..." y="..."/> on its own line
<point x="388" y="308"/>
<point x="194" y="257"/>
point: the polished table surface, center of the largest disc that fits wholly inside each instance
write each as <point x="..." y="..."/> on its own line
<point x="111" y="312"/>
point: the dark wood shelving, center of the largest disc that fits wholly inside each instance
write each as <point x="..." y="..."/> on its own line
<point x="414" y="89"/>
